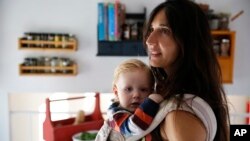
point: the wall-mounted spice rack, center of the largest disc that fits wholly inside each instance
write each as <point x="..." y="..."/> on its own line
<point x="48" y="41"/>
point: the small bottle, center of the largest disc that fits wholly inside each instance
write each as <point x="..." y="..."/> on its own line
<point x="126" y="32"/>
<point x="54" y="62"/>
<point x="56" y="39"/>
<point x="64" y="40"/>
<point x="31" y="36"/>
<point x="71" y="37"/>
<point x="26" y="37"/>
<point x="47" y="63"/>
<point x="216" y="47"/>
<point x="225" y="45"/>
<point x="134" y="32"/>
<point x="51" y="39"/>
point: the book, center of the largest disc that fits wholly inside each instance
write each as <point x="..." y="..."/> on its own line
<point x="101" y="22"/>
<point x="111" y="22"/>
<point x="117" y="20"/>
<point x="106" y="21"/>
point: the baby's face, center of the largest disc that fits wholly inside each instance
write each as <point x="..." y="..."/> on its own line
<point x="132" y="88"/>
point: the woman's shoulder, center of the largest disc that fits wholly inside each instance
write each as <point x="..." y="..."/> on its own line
<point x="194" y="112"/>
<point x="182" y="126"/>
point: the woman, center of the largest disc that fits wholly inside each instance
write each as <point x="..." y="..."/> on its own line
<point x="179" y="44"/>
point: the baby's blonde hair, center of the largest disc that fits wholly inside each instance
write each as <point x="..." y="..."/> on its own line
<point x="131" y="65"/>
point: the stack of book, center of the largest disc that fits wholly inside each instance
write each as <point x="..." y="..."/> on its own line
<point x="111" y="17"/>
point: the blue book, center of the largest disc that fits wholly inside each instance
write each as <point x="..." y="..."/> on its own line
<point x="101" y="25"/>
<point x="106" y="21"/>
<point x="111" y="22"/>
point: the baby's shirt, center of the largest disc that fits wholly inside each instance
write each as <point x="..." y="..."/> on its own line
<point x="128" y="123"/>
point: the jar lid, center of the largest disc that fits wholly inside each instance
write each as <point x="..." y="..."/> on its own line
<point x="225" y="40"/>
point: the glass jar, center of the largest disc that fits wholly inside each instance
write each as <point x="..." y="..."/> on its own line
<point x="47" y="63"/>
<point x="51" y="37"/>
<point x="64" y="40"/>
<point x="134" y="31"/>
<point x="54" y="62"/>
<point x="216" y="47"/>
<point x="27" y="62"/>
<point x="57" y="39"/>
<point x="126" y="32"/>
<point x="71" y="37"/>
<point x="225" y="45"/>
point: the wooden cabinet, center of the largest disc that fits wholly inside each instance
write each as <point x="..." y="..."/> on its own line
<point x="226" y="61"/>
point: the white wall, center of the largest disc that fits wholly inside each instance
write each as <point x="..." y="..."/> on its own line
<point x="95" y="73"/>
<point x="71" y="16"/>
<point x="241" y="79"/>
<point x="80" y="18"/>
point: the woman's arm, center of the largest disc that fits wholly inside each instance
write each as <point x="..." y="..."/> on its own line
<point x="182" y="126"/>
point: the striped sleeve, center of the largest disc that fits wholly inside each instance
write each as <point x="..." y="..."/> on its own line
<point x="133" y="124"/>
<point x="145" y="114"/>
<point x="194" y="105"/>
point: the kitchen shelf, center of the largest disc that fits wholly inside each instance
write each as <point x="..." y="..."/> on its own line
<point x="34" y="45"/>
<point x="45" y="65"/>
<point x="128" y="38"/>
<point x="121" y="48"/>
<point x="226" y="62"/>
<point x="48" y="70"/>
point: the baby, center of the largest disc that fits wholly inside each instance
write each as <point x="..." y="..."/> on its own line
<point x="135" y="106"/>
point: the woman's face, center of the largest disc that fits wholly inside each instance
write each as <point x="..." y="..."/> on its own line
<point x="162" y="48"/>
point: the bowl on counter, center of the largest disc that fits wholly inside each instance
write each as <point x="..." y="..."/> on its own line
<point x="85" y="136"/>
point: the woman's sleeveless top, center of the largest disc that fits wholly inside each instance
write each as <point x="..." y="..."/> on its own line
<point x="191" y="103"/>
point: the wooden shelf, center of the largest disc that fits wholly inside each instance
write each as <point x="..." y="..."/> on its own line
<point x="221" y="32"/>
<point x="48" y="70"/>
<point x="33" y="45"/>
<point x="226" y="63"/>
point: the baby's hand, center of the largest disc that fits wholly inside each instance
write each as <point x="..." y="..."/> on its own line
<point x="156" y="98"/>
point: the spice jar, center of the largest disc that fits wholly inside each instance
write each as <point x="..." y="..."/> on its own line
<point x="47" y="63"/>
<point x="134" y="31"/>
<point x="57" y="39"/>
<point x="216" y="46"/>
<point x="225" y="45"/>
<point x="126" y="32"/>
<point x="64" y="40"/>
<point x="51" y="39"/>
<point x="54" y="62"/>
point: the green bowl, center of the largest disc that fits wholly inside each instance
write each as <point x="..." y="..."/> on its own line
<point x="85" y="136"/>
